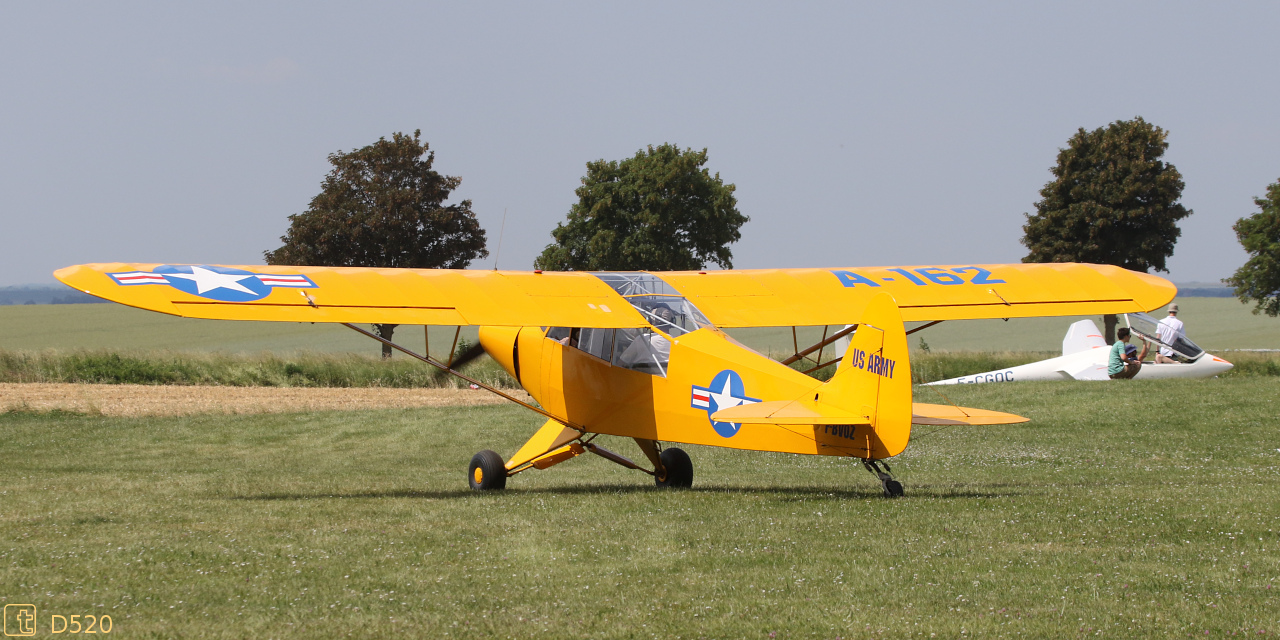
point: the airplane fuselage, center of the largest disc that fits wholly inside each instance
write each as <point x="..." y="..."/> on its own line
<point x="706" y="371"/>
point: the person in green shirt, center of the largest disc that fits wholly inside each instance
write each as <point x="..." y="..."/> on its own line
<point x="1122" y="366"/>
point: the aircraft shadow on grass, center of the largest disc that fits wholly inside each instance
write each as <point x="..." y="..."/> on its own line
<point x="784" y="494"/>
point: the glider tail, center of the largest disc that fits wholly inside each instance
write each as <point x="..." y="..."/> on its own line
<point x="874" y="377"/>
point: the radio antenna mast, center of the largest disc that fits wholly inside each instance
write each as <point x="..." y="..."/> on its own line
<point x="498" y="253"/>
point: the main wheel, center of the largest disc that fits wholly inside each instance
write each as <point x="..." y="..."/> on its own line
<point x="892" y="489"/>
<point x="487" y="472"/>
<point x="678" y="467"/>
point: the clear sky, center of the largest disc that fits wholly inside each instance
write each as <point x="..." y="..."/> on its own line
<point x="857" y="134"/>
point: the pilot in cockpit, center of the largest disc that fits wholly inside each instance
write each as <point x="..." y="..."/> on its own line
<point x="666" y="319"/>
<point x="650" y="348"/>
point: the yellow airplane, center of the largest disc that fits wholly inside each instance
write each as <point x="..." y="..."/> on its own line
<point x="644" y="356"/>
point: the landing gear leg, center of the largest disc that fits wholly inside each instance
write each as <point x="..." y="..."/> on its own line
<point x="892" y="488"/>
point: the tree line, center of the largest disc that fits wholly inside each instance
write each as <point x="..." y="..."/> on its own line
<point x="52" y="294"/>
<point x="1112" y="200"/>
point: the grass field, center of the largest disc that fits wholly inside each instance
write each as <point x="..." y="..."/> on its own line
<point x="1143" y="510"/>
<point x="1214" y="323"/>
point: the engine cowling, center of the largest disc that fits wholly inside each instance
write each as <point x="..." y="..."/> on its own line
<point x="500" y="344"/>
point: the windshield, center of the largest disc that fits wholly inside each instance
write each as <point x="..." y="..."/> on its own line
<point x="659" y="303"/>
<point x="1149" y="328"/>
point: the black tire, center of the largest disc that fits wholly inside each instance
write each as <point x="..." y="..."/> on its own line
<point x="892" y="489"/>
<point x="678" y="467"/>
<point x="487" y="472"/>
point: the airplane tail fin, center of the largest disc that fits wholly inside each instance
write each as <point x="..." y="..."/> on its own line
<point x="865" y="408"/>
<point x="874" y="377"/>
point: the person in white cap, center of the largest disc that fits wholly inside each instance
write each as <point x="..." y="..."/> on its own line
<point x="1169" y="330"/>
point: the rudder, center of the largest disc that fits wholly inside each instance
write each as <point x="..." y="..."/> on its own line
<point x="874" y="377"/>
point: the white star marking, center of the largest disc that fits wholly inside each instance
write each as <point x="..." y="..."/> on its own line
<point x="207" y="280"/>
<point x="725" y="399"/>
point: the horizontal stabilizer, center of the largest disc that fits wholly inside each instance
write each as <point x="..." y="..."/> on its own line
<point x="945" y="414"/>
<point x="790" y="412"/>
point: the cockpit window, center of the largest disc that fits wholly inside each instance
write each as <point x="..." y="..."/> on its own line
<point x="660" y="304"/>
<point x="645" y="349"/>
<point x="1148" y="327"/>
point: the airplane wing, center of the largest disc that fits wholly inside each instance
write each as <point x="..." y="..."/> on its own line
<point x="357" y="294"/>
<point x="799" y="297"/>
<point x="743" y="298"/>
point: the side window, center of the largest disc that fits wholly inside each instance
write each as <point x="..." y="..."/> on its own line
<point x="642" y="350"/>
<point x="597" y="342"/>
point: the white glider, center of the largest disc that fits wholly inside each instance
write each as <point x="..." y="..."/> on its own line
<point x="1085" y="354"/>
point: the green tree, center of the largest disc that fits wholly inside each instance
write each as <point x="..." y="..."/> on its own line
<point x="657" y="211"/>
<point x="1112" y="201"/>
<point x="1259" y="234"/>
<point x="383" y="206"/>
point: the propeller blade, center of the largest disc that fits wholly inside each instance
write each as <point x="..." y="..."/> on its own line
<point x="460" y="360"/>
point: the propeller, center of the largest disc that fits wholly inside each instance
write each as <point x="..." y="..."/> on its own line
<point x="472" y="352"/>
<point x="460" y="360"/>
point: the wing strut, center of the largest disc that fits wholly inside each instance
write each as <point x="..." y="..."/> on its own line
<point x="824" y="342"/>
<point x="445" y="368"/>
<point x="925" y="326"/>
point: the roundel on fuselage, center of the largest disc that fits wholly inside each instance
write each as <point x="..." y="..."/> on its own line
<point x="726" y="390"/>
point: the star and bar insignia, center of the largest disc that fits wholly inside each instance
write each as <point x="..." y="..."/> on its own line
<point x="726" y="390"/>
<point x="215" y="283"/>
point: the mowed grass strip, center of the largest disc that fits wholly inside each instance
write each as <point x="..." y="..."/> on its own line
<point x="1137" y="510"/>
<point x="302" y="369"/>
<point x="132" y="400"/>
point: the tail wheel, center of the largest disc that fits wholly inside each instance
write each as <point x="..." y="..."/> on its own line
<point x="678" y="467"/>
<point x="487" y="472"/>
